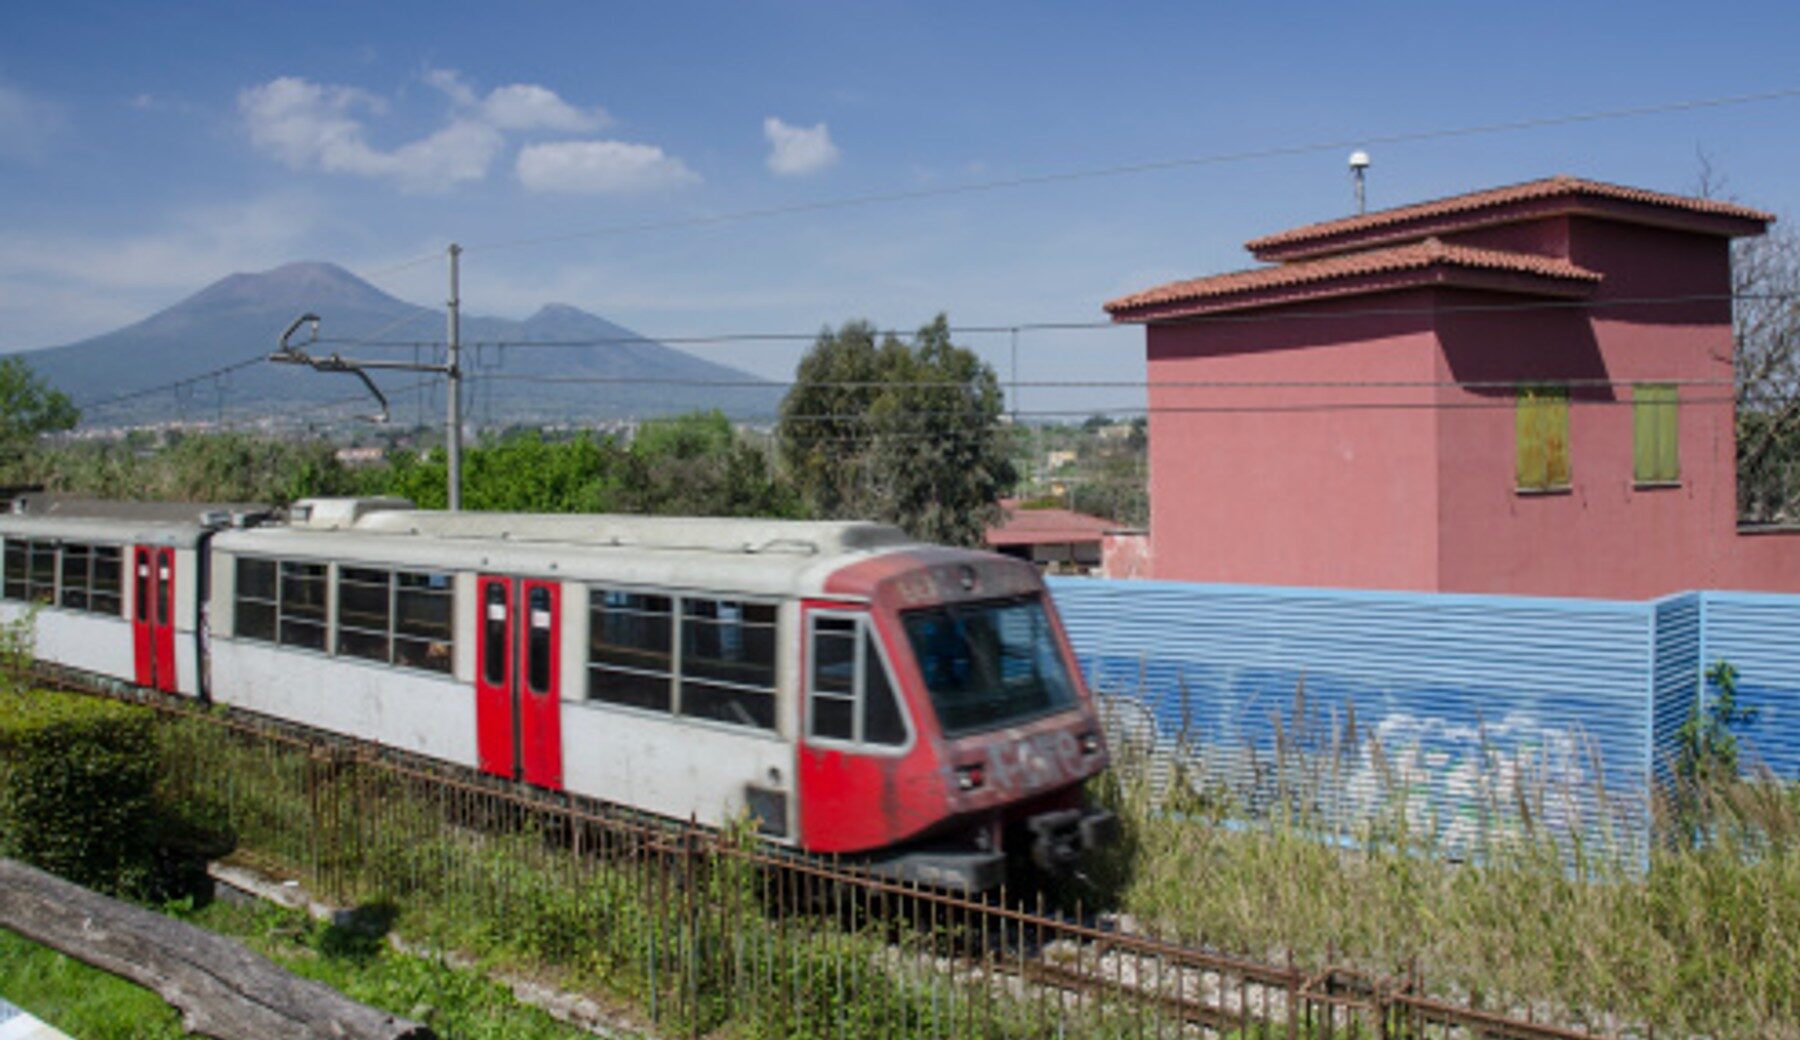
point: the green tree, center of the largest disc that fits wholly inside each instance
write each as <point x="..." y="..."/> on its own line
<point x="697" y="465"/>
<point x="907" y="434"/>
<point x="694" y="465"/>
<point x="215" y="467"/>
<point x="29" y="407"/>
<point x="1766" y="327"/>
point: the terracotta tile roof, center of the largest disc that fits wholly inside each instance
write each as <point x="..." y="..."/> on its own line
<point x="1046" y="526"/>
<point x="1547" y="188"/>
<point x="1414" y="256"/>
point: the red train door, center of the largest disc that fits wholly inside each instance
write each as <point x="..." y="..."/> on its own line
<point x="163" y="623"/>
<point x="153" y="617"/>
<point x="143" y="640"/>
<point x="518" y="681"/>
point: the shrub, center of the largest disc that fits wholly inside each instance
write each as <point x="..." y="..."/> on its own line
<point x="75" y="787"/>
<point x="18" y="643"/>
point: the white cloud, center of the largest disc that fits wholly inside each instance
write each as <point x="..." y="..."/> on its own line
<point x="525" y="106"/>
<point x="452" y="84"/>
<point x="316" y="126"/>
<point x="518" y="106"/>
<point x="600" y="167"/>
<point x="28" y="125"/>
<point x="798" y="149"/>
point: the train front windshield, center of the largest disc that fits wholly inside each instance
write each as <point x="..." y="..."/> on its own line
<point x="989" y="664"/>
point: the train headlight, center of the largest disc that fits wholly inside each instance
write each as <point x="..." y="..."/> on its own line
<point x="968" y="778"/>
<point x="1090" y="742"/>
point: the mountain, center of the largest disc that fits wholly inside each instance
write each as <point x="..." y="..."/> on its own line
<point x="623" y="376"/>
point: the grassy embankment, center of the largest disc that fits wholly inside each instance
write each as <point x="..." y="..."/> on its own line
<point x="92" y="1005"/>
<point x="1705" y="942"/>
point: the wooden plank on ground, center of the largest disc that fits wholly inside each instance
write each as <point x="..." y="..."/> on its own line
<point x="222" y="989"/>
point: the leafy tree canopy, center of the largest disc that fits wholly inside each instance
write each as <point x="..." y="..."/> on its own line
<point x="910" y="434"/>
<point x="689" y="465"/>
<point x="29" y="407"/>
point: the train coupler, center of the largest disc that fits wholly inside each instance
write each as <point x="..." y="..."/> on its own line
<point x="1059" y="838"/>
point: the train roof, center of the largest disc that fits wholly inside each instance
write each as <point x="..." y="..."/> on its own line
<point x="775" y="557"/>
<point x="693" y="533"/>
<point x="59" y="515"/>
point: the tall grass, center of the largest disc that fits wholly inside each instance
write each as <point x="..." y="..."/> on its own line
<point x="697" y="940"/>
<point x="1690" y="938"/>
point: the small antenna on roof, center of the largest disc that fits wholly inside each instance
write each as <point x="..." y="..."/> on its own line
<point x="1359" y="165"/>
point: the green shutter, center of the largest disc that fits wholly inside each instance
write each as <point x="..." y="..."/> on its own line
<point x="1656" y="440"/>
<point x="1542" y="429"/>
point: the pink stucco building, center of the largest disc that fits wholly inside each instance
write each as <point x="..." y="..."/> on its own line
<point x="1526" y="389"/>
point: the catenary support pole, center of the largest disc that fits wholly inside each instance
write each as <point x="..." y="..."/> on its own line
<point x="453" y="432"/>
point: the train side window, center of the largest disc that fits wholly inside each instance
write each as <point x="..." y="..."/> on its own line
<point x="365" y="613"/>
<point x="396" y="617"/>
<point x="834" y="678"/>
<point x="882" y="720"/>
<point x="537" y="640"/>
<point x="728" y="661"/>
<point x="254" y="604"/>
<point x="631" y="658"/>
<point x="40" y="580"/>
<point x="77" y="577"/>
<point x="424" y="612"/>
<point x="18" y="555"/>
<point x="302" y="616"/>
<point x="850" y="695"/>
<point x="104" y="597"/>
<point x="493" y="617"/>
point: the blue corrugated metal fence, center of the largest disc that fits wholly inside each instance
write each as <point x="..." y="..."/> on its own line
<point x="1759" y="635"/>
<point x="1456" y="713"/>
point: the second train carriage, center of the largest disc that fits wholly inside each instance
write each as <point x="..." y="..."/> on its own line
<point x="853" y="691"/>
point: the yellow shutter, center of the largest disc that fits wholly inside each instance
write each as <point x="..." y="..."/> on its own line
<point x="1656" y="433"/>
<point x="1541" y="426"/>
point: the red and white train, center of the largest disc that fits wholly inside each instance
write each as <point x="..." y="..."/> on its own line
<point x="854" y="691"/>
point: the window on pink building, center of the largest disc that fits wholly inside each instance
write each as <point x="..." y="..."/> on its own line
<point x="1655" y="414"/>
<point x="1542" y="428"/>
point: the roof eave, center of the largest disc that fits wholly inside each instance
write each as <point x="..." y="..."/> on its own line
<point x="1275" y="249"/>
<point x="1446" y="276"/>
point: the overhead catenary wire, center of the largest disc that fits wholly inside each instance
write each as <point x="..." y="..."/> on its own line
<point x="260" y="414"/>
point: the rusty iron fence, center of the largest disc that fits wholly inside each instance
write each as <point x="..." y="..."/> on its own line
<point x="703" y="931"/>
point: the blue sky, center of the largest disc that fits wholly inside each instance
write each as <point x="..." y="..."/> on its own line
<point x="148" y="149"/>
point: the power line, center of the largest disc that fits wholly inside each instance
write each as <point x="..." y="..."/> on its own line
<point x="177" y="384"/>
<point x="1098" y="384"/>
<point x="735" y="338"/>
<point x="1148" y="166"/>
<point x="1310" y="406"/>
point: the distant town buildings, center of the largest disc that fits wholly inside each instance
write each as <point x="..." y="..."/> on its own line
<point x="1526" y="389"/>
<point x="362" y="456"/>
